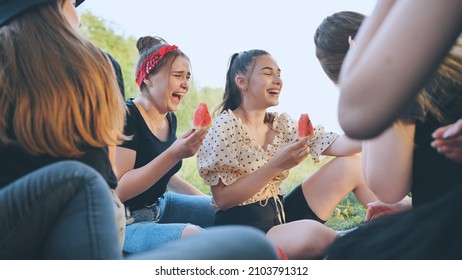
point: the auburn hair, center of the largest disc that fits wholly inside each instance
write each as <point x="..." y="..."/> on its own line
<point x="58" y="91"/>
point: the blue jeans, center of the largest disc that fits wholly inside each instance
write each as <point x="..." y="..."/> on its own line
<point x="65" y="211"/>
<point x="217" y="243"/>
<point x="176" y="211"/>
<point x="61" y="211"/>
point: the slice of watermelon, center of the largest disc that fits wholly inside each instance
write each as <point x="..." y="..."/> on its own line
<point x="202" y="117"/>
<point x="305" y="128"/>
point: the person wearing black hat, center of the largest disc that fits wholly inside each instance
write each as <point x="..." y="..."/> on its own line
<point x="58" y="115"/>
<point x="45" y="100"/>
<point x="13" y="8"/>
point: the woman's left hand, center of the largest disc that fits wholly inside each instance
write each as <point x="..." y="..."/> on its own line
<point x="378" y="208"/>
<point x="448" y="141"/>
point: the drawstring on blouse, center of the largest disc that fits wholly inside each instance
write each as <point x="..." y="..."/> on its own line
<point x="273" y="187"/>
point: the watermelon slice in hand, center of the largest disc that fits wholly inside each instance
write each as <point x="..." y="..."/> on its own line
<point x="202" y="117"/>
<point x="305" y="128"/>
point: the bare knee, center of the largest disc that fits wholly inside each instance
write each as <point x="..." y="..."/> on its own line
<point x="308" y="238"/>
<point x="304" y="239"/>
<point x="190" y="229"/>
<point x="314" y="248"/>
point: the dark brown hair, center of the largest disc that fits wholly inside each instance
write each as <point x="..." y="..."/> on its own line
<point x="239" y="64"/>
<point x="331" y="40"/>
<point x="149" y="44"/>
<point x="444" y="86"/>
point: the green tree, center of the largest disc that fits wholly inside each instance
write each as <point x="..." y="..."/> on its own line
<point x="123" y="49"/>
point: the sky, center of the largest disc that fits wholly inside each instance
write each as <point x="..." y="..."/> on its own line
<point x="209" y="32"/>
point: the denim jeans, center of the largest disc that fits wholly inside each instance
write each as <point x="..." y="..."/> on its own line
<point x="65" y="211"/>
<point x="216" y="243"/>
<point x="61" y="211"/>
<point x="176" y="211"/>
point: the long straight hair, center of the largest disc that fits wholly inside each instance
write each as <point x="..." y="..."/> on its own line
<point x="444" y="87"/>
<point x="58" y="92"/>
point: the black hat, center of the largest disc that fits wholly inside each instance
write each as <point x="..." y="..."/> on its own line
<point x="11" y="8"/>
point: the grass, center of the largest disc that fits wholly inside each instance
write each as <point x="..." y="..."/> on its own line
<point x="348" y="213"/>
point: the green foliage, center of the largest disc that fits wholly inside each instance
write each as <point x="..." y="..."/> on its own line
<point x="100" y="33"/>
<point x="349" y="213"/>
<point x="190" y="173"/>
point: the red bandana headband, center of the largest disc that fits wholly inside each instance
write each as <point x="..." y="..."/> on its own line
<point x="151" y="62"/>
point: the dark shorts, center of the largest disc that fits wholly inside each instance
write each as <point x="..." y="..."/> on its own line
<point x="265" y="217"/>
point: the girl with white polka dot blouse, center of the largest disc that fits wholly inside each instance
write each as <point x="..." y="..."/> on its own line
<point x="248" y="152"/>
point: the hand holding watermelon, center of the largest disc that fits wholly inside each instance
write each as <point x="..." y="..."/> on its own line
<point x="202" y="118"/>
<point x="305" y="127"/>
<point x="188" y="144"/>
<point x="316" y="138"/>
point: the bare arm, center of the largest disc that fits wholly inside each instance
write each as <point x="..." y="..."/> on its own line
<point x="387" y="162"/>
<point x="111" y="152"/>
<point x="396" y="50"/>
<point x="134" y="181"/>
<point x="343" y="146"/>
<point x="179" y="185"/>
<point x="246" y="186"/>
